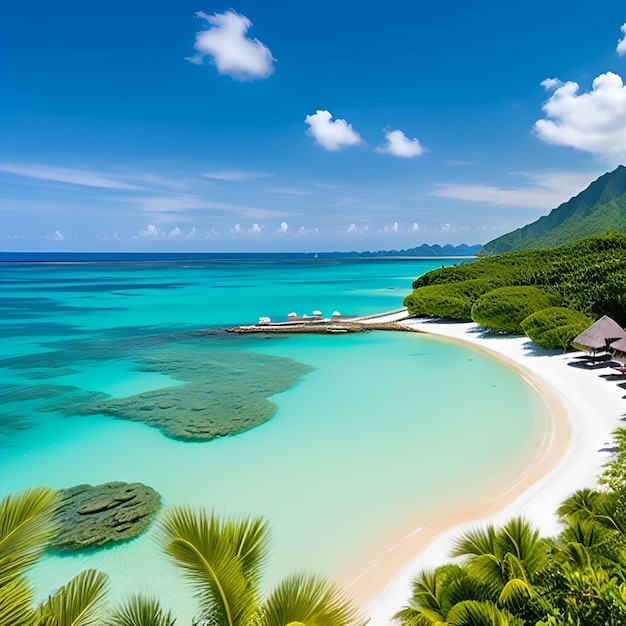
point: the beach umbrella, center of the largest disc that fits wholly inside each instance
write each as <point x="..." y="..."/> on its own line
<point x="336" y="314"/>
<point x="599" y="336"/>
<point x="317" y="314"/>
<point x="292" y="314"/>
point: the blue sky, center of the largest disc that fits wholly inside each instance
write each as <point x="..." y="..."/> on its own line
<point x="278" y="125"/>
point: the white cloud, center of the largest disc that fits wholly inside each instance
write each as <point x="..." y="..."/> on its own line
<point x="192" y="233"/>
<point x="352" y="228"/>
<point x="394" y="228"/>
<point x="232" y="52"/>
<point x="237" y="230"/>
<point x="256" y="229"/>
<point x="65" y="175"/>
<point x="550" y="84"/>
<point x="621" y="44"/>
<point x="284" y="228"/>
<point x="399" y="145"/>
<point x="546" y="190"/>
<point x="594" y="121"/>
<point x="176" y="232"/>
<point x="332" y="135"/>
<point x="160" y="206"/>
<point x="237" y="175"/>
<point x="58" y="236"/>
<point x="414" y="228"/>
<point x="151" y="232"/>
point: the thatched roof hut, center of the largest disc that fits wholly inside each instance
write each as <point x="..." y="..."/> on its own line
<point x="618" y="348"/>
<point x="599" y="336"/>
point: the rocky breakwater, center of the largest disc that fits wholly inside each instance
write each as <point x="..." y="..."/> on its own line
<point x="101" y="515"/>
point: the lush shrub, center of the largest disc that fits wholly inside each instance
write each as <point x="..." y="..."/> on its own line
<point x="505" y="308"/>
<point x="555" y="327"/>
<point x="448" y="300"/>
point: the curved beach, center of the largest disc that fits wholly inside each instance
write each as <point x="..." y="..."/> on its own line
<point x="585" y="410"/>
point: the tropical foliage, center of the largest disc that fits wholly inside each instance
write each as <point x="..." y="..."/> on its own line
<point x="555" y="327"/>
<point x="512" y="576"/>
<point x="504" y="309"/>
<point x="599" y="208"/>
<point x="223" y="559"/>
<point x="588" y="276"/>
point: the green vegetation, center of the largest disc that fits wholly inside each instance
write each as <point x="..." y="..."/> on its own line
<point x="510" y="576"/>
<point x="223" y="559"/>
<point x="596" y="210"/>
<point x="505" y="308"/>
<point x="588" y="277"/>
<point x="555" y="327"/>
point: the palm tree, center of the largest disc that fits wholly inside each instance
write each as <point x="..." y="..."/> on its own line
<point x="507" y="561"/>
<point x="224" y="561"/>
<point x="450" y="595"/>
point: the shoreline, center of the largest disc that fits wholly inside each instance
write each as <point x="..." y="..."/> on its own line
<point x="583" y="410"/>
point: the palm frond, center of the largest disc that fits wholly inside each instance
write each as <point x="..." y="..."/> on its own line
<point x="581" y="501"/>
<point x="251" y="539"/>
<point x="515" y="590"/>
<point x="26" y="525"/>
<point x="205" y="548"/>
<point x="519" y="538"/>
<point x="79" y="603"/>
<point x="312" y="600"/>
<point x="140" y="611"/>
<point x="473" y="613"/>
<point x="15" y="603"/>
<point x="488" y="572"/>
<point x="476" y="542"/>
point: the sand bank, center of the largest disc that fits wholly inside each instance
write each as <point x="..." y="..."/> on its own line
<point x="585" y="409"/>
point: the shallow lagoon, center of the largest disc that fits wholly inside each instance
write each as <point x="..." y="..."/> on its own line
<point x="384" y="428"/>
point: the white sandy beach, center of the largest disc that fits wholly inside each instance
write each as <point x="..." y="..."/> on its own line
<point x="585" y="410"/>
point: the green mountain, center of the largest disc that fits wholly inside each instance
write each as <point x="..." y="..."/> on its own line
<point x="598" y="209"/>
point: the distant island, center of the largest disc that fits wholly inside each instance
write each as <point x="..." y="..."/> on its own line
<point x="52" y="257"/>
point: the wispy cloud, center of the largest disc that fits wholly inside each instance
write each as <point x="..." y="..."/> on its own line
<point x="184" y="203"/>
<point x="237" y="175"/>
<point x="229" y="48"/>
<point x="331" y="134"/>
<point x="546" y="190"/>
<point x="290" y="191"/>
<point x="72" y="176"/>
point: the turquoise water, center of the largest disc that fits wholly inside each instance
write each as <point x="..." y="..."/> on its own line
<point x="384" y="427"/>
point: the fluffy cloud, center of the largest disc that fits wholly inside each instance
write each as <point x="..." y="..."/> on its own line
<point x="232" y="52"/>
<point x="58" y="236"/>
<point x="151" y="232"/>
<point x="284" y="228"/>
<point x="399" y="145"/>
<point x="550" y="83"/>
<point x="332" y="135"/>
<point x="594" y="121"/>
<point x="621" y="44"/>
<point x="255" y="229"/>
